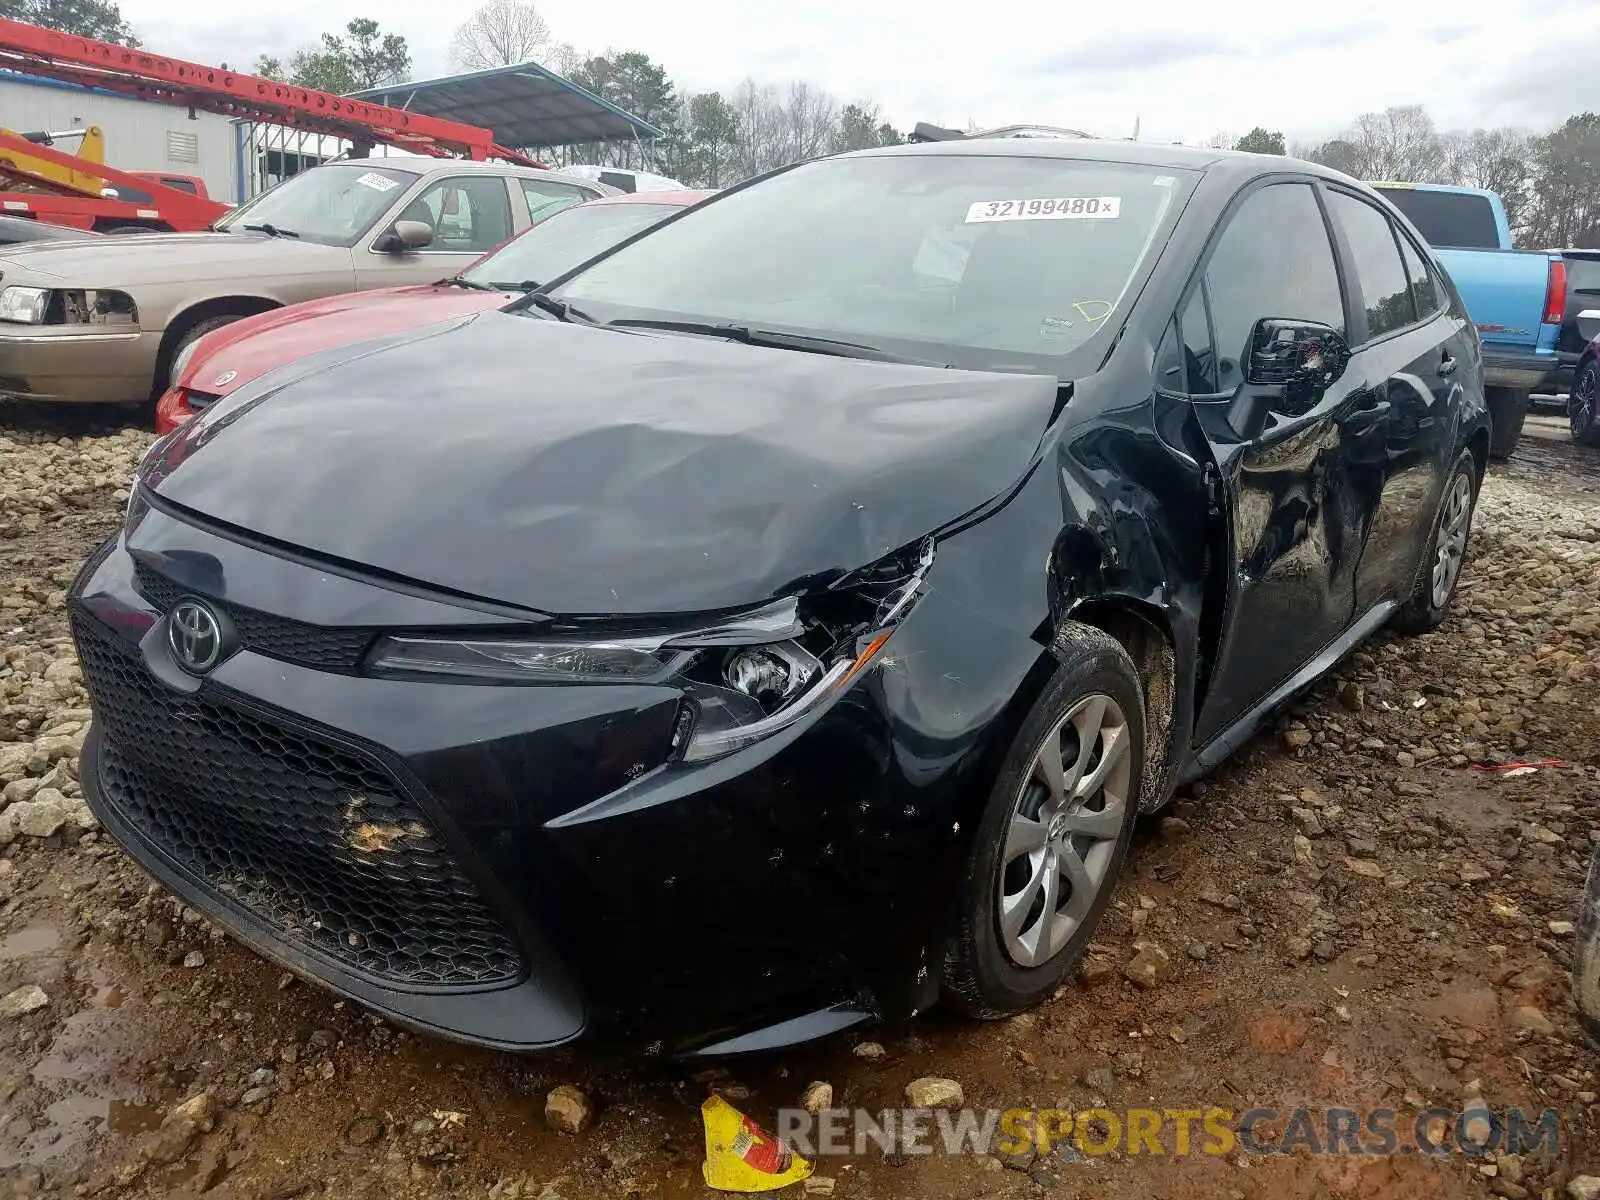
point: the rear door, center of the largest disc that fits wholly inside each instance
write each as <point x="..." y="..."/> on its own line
<point x="469" y="215"/>
<point x="1286" y="488"/>
<point x="1408" y="358"/>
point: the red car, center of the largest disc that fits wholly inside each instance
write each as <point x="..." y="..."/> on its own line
<point x="232" y="356"/>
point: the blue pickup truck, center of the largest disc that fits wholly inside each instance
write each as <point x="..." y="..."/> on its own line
<point x="1517" y="298"/>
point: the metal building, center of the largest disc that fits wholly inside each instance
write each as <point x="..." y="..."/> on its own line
<point x="138" y="136"/>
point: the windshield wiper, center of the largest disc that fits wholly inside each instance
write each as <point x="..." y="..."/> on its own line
<point x="461" y="281"/>
<point x="270" y="230"/>
<point x="808" y="343"/>
<point x="559" y="309"/>
<point x="527" y="285"/>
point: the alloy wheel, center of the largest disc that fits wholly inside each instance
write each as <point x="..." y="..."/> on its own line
<point x="1064" y="829"/>
<point x="1581" y="404"/>
<point x="1450" y="547"/>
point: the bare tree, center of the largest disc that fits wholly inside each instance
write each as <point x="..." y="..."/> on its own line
<point x="759" y="144"/>
<point x="1497" y="159"/>
<point x="562" y="57"/>
<point x="810" y="117"/>
<point x="500" y="34"/>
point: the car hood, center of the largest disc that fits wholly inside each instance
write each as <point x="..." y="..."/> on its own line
<point x="574" y="470"/>
<point x="158" y="257"/>
<point x="236" y="354"/>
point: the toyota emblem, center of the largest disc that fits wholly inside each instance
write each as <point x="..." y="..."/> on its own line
<point x="225" y="379"/>
<point x="195" y="635"/>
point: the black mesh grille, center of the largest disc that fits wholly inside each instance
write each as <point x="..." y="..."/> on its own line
<point x="324" y="647"/>
<point x="316" y="839"/>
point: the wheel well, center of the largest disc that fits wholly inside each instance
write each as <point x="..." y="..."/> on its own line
<point x="1145" y="635"/>
<point x="182" y="323"/>
<point x="1478" y="443"/>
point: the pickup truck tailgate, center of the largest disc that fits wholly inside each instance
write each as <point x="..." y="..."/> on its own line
<point x="1507" y="296"/>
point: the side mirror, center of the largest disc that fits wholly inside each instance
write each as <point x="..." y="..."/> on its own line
<point x="1304" y="358"/>
<point x="403" y="236"/>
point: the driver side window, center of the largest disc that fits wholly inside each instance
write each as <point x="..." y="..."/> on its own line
<point x="1274" y="259"/>
<point x="468" y="213"/>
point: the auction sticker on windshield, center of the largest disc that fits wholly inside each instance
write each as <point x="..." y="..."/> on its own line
<point x="1055" y="208"/>
<point x="377" y="183"/>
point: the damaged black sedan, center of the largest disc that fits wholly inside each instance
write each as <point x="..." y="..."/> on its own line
<point x="779" y="622"/>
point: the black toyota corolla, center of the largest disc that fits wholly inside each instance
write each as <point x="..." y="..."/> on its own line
<point x="778" y="622"/>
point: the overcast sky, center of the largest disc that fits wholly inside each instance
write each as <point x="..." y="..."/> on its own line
<point x="1185" y="70"/>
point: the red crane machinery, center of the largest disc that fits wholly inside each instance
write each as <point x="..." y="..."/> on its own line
<point x="142" y="75"/>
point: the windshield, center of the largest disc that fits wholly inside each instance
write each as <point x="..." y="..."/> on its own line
<point x="334" y="204"/>
<point x="560" y="242"/>
<point x="1454" y="219"/>
<point x="980" y="261"/>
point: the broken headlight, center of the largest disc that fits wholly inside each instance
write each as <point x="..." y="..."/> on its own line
<point x="68" y="306"/>
<point x="744" y="678"/>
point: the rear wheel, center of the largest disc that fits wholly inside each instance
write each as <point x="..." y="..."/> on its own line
<point x="1583" y="405"/>
<point x="1439" y="573"/>
<point x="1053" y="836"/>
<point x="1508" y="410"/>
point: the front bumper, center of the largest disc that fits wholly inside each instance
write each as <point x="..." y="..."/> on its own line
<point x="87" y="368"/>
<point x="685" y="904"/>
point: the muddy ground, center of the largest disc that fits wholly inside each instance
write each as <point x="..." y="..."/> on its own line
<point x="1354" y="914"/>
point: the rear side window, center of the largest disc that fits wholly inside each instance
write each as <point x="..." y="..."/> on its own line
<point x="546" y="197"/>
<point x="1273" y="260"/>
<point x="1380" y="274"/>
<point x="1425" y="291"/>
<point x="1457" y="219"/>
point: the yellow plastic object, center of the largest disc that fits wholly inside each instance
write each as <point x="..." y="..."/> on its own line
<point x="743" y="1157"/>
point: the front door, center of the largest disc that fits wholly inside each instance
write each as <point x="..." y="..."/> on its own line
<point x="1285" y="490"/>
<point x="469" y="215"/>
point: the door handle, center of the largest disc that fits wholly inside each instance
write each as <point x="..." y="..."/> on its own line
<point x="1447" y="366"/>
<point x="1365" y="420"/>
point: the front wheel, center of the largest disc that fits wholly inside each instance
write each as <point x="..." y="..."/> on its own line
<point x="1508" y="411"/>
<point x="1053" y="835"/>
<point x="1583" y="405"/>
<point x="1440" y="570"/>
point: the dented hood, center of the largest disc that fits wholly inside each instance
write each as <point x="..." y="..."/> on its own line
<point x="578" y="471"/>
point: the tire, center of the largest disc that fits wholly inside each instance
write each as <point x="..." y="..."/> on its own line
<point x="1583" y="405"/>
<point x="1508" y="410"/>
<point x="986" y="973"/>
<point x="1451" y="533"/>
<point x="190" y="336"/>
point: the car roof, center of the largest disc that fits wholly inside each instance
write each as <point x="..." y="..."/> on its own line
<point x="1144" y="154"/>
<point x="682" y="198"/>
<point x="428" y="165"/>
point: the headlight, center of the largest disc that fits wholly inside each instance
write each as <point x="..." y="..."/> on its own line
<point x="744" y="679"/>
<point x="24" y="305"/>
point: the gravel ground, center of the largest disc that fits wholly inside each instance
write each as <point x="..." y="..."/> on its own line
<point x="1352" y="913"/>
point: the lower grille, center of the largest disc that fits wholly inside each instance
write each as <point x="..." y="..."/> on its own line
<point x="323" y="647"/>
<point x="317" y="840"/>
